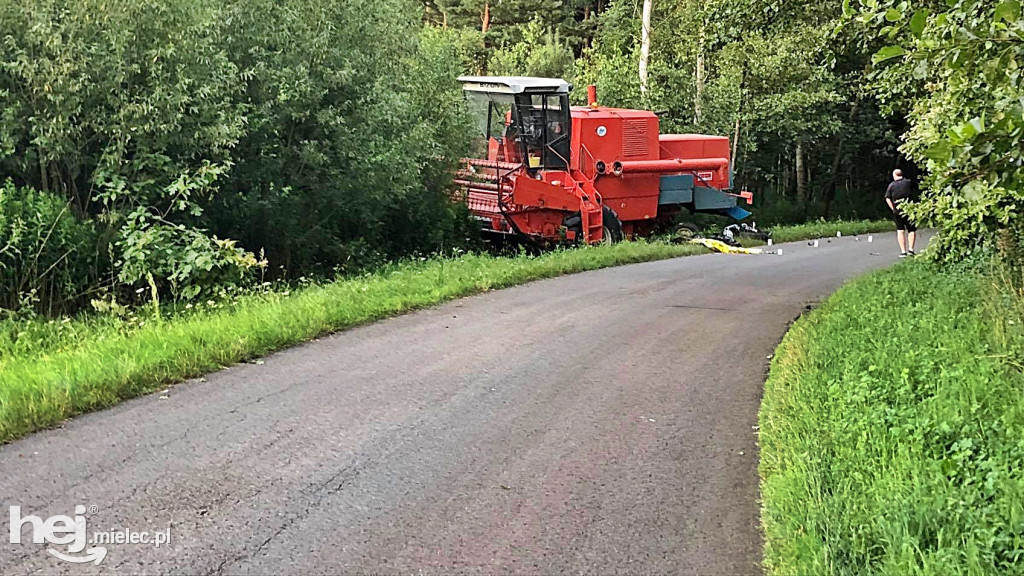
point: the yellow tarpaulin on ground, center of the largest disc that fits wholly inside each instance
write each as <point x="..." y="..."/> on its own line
<point x="719" y="246"/>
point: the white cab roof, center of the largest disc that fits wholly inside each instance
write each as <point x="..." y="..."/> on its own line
<point x="514" y="84"/>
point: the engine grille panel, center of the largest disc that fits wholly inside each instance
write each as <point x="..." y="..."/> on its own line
<point x="634" y="138"/>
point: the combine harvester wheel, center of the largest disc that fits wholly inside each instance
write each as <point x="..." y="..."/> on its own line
<point x="612" y="231"/>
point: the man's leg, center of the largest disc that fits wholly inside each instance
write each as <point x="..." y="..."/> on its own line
<point x="901" y="239"/>
<point x="911" y="236"/>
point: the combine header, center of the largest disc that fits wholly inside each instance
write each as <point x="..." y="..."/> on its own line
<point x="550" y="173"/>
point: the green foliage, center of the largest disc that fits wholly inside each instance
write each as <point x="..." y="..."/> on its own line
<point x="775" y="74"/>
<point x="541" y="53"/>
<point x="111" y="101"/>
<point x="186" y="259"/>
<point x="892" y="430"/>
<point x="119" y="107"/>
<point x="47" y="255"/>
<point x="611" y="62"/>
<point x="276" y="124"/>
<point x="508" y="21"/>
<point x="828" y="229"/>
<point x="349" y="145"/>
<point x="955" y="69"/>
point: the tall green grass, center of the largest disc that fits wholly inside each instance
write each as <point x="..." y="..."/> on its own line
<point x="827" y="228"/>
<point x="892" y="430"/>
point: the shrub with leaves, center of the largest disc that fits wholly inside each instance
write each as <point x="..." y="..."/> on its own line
<point x="186" y="260"/>
<point x="349" y="145"/>
<point x="114" y="98"/>
<point x="274" y="123"/>
<point x="956" y="67"/>
<point x="47" y="255"/>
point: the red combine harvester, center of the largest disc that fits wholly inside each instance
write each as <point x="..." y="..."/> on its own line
<point x="589" y="174"/>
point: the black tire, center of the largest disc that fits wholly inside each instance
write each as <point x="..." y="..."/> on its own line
<point x="612" y="233"/>
<point x="685" y="232"/>
<point x="574" y="223"/>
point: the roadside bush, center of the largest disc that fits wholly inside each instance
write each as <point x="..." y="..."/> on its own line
<point x="200" y="132"/>
<point x="49" y="259"/>
<point x="965" y="112"/>
<point x="182" y="260"/>
<point x="347" y="156"/>
<point x="109" y="102"/>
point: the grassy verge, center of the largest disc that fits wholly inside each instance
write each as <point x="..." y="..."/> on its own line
<point x="892" y="430"/>
<point x="51" y="370"/>
<point x="823" y="229"/>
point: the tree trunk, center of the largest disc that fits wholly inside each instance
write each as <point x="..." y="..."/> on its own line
<point x="736" y="133"/>
<point x="645" y="43"/>
<point x="485" y="19"/>
<point x="801" y="176"/>
<point x="589" y="41"/>
<point x="735" y="145"/>
<point x="833" y="181"/>
<point x="44" y="179"/>
<point x="698" y="101"/>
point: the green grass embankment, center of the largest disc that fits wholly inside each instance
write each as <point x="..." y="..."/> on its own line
<point x="892" y="430"/>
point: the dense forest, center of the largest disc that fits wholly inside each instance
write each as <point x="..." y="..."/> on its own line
<point x="168" y="147"/>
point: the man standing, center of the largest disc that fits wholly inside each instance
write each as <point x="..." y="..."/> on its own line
<point x="901" y="190"/>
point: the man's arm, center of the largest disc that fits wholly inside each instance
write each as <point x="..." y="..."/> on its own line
<point x="888" y="198"/>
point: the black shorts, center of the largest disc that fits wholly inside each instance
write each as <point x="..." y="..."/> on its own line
<point x="902" y="221"/>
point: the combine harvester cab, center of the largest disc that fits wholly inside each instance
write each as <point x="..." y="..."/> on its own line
<point x="551" y="173"/>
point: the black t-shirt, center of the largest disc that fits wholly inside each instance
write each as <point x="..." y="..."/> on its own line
<point x="901" y="189"/>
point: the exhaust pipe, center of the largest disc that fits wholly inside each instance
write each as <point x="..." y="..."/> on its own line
<point x="592" y="96"/>
<point x="670" y="166"/>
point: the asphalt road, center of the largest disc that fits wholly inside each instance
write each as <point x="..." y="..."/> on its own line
<point x="597" y="423"/>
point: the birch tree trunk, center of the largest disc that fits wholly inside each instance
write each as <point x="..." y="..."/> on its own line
<point x="698" y="100"/>
<point x="645" y="43"/>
